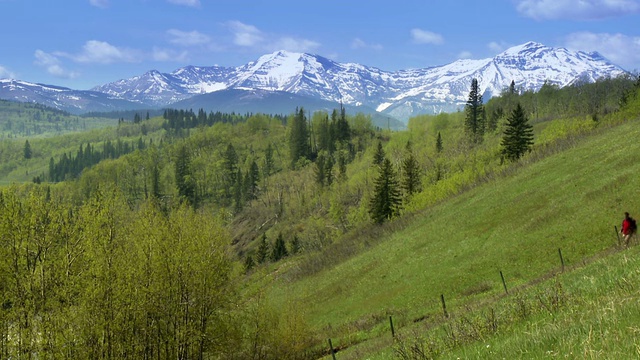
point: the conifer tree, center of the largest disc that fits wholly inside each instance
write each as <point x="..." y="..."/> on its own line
<point x="378" y="156"/>
<point x="249" y="263"/>
<point x="474" y="123"/>
<point x="263" y="249"/>
<point x="319" y="170"/>
<point x="269" y="164"/>
<point x="439" y="143"/>
<point x="295" y="245"/>
<point x="298" y="138"/>
<point x="328" y="171"/>
<point x="410" y="172"/>
<point x="386" y="200"/>
<point x="184" y="179"/>
<point x="518" y="135"/>
<point x="27" y="150"/>
<point x="279" y="249"/>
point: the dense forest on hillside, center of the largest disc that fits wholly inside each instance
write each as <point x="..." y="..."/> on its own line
<point x="23" y="120"/>
<point x="148" y="239"/>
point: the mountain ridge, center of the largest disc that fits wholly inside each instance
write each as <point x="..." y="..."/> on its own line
<point x="399" y="94"/>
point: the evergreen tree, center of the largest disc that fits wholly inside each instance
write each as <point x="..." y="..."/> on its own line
<point x="268" y="162"/>
<point x="439" y="143"/>
<point x="386" y="199"/>
<point x="251" y="181"/>
<point x="263" y="250"/>
<point x="184" y="180"/>
<point x="518" y="135"/>
<point x="298" y="138"/>
<point x="230" y="174"/>
<point x="410" y="173"/>
<point x="328" y="171"/>
<point x="474" y="123"/>
<point x="249" y="263"/>
<point x="378" y="156"/>
<point x="27" y="150"/>
<point x="295" y="245"/>
<point x="279" y="249"/>
<point x="319" y="170"/>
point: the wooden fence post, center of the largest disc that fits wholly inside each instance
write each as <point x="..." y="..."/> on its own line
<point x="504" y="284"/>
<point x="333" y="353"/>
<point x="393" y="332"/>
<point x="444" y="305"/>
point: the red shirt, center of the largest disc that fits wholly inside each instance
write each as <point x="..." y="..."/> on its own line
<point x="626" y="226"/>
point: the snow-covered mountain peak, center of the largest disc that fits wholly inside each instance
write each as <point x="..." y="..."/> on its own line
<point x="400" y="93"/>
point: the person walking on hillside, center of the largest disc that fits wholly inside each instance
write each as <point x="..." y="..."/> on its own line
<point x="628" y="229"/>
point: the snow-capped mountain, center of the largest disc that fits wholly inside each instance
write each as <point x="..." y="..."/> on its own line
<point x="399" y="94"/>
<point x="73" y="101"/>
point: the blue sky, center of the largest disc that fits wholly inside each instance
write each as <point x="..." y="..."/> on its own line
<point x="84" y="43"/>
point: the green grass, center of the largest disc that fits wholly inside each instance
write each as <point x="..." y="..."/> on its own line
<point x="515" y="224"/>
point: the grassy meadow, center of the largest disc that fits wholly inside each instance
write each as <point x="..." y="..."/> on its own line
<point x="515" y="224"/>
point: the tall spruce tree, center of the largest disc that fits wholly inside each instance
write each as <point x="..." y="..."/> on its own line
<point x="439" y="143"/>
<point x="27" y="150"/>
<point x="298" y="138"/>
<point x="378" y="156"/>
<point x="386" y="199"/>
<point x="474" y="122"/>
<point x="279" y="249"/>
<point x="184" y="179"/>
<point x="410" y="172"/>
<point x="518" y="135"/>
<point x="263" y="249"/>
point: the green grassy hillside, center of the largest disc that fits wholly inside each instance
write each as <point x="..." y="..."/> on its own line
<point x="515" y="224"/>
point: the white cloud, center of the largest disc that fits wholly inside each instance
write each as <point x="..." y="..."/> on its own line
<point x="498" y="47"/>
<point x="465" y="55"/>
<point x="100" y="3"/>
<point x="6" y="74"/>
<point x="577" y="10"/>
<point x="192" y="3"/>
<point x="160" y="54"/>
<point x="250" y="36"/>
<point x="294" y="45"/>
<point x="187" y="38"/>
<point x="622" y="50"/>
<point x="101" y="52"/>
<point x="420" y="36"/>
<point x="361" y="44"/>
<point x="53" y="66"/>
<point x="245" y="35"/>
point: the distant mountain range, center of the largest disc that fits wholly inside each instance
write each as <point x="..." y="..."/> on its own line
<point x="281" y="81"/>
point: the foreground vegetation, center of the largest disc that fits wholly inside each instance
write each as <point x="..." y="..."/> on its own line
<point x="253" y="237"/>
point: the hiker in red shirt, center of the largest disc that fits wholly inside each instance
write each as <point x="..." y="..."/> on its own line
<point x="628" y="228"/>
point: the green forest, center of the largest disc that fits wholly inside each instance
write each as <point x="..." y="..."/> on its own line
<point x="194" y="235"/>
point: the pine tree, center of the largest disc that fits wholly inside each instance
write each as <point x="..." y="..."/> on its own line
<point x="27" y="150"/>
<point x="410" y="173"/>
<point x="269" y="164"/>
<point x="295" y="245"/>
<point x="439" y="143"/>
<point x="378" y="156"/>
<point x="474" y="123"/>
<point x="184" y="180"/>
<point x="518" y="135"/>
<point x="386" y="198"/>
<point x="319" y="170"/>
<point x="298" y="138"/>
<point x="263" y="250"/>
<point x="249" y="263"/>
<point x="279" y="249"/>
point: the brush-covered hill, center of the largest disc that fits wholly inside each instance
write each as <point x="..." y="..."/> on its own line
<point x="254" y="233"/>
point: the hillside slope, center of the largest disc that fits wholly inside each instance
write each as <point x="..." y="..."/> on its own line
<point x="515" y="224"/>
